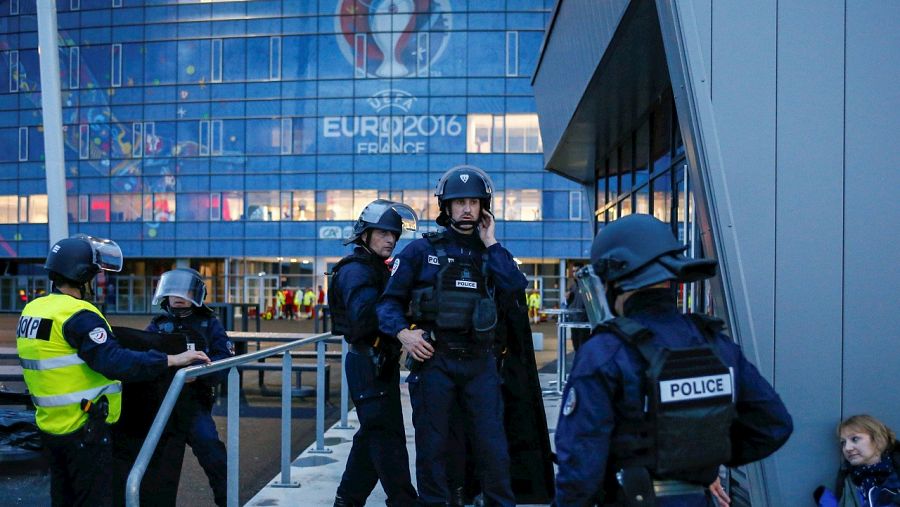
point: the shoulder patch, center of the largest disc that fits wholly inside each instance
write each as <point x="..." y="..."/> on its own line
<point x="395" y="266"/>
<point x="98" y="335"/>
<point x="570" y="402"/>
<point x="432" y="259"/>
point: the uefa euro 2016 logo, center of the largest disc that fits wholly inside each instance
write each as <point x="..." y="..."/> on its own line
<point x="393" y="38"/>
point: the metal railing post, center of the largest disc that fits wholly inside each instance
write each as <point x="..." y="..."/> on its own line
<point x="133" y="483"/>
<point x="320" y="400"/>
<point x="562" y="335"/>
<point x="345" y="395"/>
<point x="286" y="425"/>
<point x="234" y="436"/>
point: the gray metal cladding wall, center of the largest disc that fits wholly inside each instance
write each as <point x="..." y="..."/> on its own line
<point x="568" y="63"/>
<point x="805" y="99"/>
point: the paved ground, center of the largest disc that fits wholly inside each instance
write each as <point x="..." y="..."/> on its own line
<point x="319" y="474"/>
<point x="260" y="430"/>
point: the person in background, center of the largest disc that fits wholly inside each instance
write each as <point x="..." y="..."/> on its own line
<point x="288" y="303"/>
<point x="309" y="299"/>
<point x="181" y="294"/>
<point x="72" y="365"/>
<point x="869" y="475"/>
<point x="534" y="306"/>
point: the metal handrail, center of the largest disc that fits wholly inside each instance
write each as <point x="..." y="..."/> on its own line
<point x="133" y="485"/>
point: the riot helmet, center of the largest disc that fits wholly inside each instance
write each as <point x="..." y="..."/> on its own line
<point x="639" y="250"/>
<point x="185" y="283"/>
<point x="384" y="215"/>
<point x="77" y="260"/>
<point x="461" y="182"/>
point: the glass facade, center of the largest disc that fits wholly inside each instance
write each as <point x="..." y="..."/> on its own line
<point x="213" y="130"/>
<point x="645" y="172"/>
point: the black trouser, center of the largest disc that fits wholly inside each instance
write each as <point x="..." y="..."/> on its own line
<point x="379" y="447"/>
<point x="442" y="384"/>
<point x="80" y="473"/>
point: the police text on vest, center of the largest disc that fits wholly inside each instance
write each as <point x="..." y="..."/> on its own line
<point x="694" y="388"/>
<point x="467" y="284"/>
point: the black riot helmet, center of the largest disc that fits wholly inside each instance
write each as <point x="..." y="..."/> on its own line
<point x="385" y="215"/>
<point x="77" y="260"/>
<point x="460" y="182"/>
<point x="185" y="283"/>
<point x="638" y="250"/>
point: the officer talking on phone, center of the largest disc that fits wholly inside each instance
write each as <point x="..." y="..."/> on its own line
<point x="449" y="282"/>
<point x="656" y="400"/>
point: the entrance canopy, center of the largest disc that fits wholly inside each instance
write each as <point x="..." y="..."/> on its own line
<point x="601" y="67"/>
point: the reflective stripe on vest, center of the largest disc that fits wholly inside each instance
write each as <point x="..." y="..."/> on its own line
<point x="49" y="364"/>
<point x="66" y="399"/>
<point x="56" y="377"/>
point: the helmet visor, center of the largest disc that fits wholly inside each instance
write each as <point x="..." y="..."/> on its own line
<point x="107" y="254"/>
<point x="593" y="293"/>
<point x="183" y="284"/>
<point x="376" y="210"/>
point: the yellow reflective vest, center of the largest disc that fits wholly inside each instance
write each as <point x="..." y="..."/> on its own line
<point x="57" y="378"/>
<point x="534" y="300"/>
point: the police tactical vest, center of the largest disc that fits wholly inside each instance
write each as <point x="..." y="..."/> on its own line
<point x="57" y="378"/>
<point x="377" y="277"/>
<point x="194" y="328"/>
<point x="683" y="429"/>
<point x="460" y="286"/>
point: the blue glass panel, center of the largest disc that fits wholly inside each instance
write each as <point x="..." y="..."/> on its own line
<point x="234" y="59"/>
<point x="258" y="58"/>
<point x="229" y="10"/>
<point x="529" y="50"/>
<point x="264" y="108"/>
<point x="193" y="61"/>
<point x="95" y="66"/>
<point x="264" y="90"/>
<point x="124" y="16"/>
<point x="303" y="135"/>
<point x="266" y="26"/>
<point x="153" y="93"/>
<point x="195" y="29"/>
<point x="100" y="35"/>
<point x="262" y="164"/>
<point x="332" y="63"/>
<point x="160" y="62"/>
<point x="299" y="60"/>
<point x="233" y="137"/>
<point x="225" y="109"/>
<point x="161" y="14"/>
<point x="29" y="72"/>
<point x="188" y="247"/>
<point x="234" y="27"/>
<point x="451" y="62"/>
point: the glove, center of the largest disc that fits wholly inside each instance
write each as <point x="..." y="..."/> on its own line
<point x="824" y="497"/>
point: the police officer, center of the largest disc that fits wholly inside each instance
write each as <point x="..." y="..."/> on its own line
<point x="656" y="400"/>
<point x="70" y="359"/>
<point x="373" y="370"/>
<point x="180" y="294"/>
<point x="449" y="282"/>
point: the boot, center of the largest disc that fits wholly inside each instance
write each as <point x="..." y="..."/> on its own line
<point x="340" y="501"/>
<point x="457" y="497"/>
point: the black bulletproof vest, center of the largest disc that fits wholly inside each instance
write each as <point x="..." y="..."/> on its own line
<point x="460" y="285"/>
<point x="683" y="431"/>
<point x="377" y="276"/>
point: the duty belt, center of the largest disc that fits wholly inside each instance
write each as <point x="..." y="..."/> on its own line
<point x="676" y="488"/>
<point x="461" y="350"/>
<point x="361" y="348"/>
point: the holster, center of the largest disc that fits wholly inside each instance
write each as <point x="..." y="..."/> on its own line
<point x="637" y="487"/>
<point x="95" y="430"/>
<point x="484" y="320"/>
<point x="382" y="357"/>
<point x="422" y="305"/>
